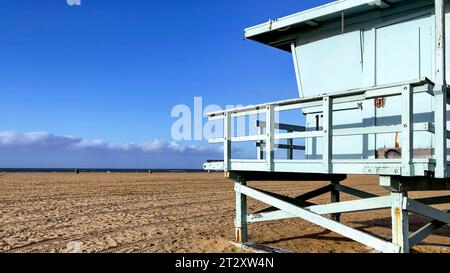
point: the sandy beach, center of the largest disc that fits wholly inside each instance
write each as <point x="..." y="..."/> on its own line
<point x="167" y="212"/>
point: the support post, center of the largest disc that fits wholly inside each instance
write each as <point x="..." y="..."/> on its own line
<point x="400" y="221"/>
<point x="440" y="97"/>
<point x="270" y="140"/>
<point x="327" y="133"/>
<point x="241" y="212"/>
<point x="407" y="131"/>
<point x="335" y="198"/>
<point x="227" y="141"/>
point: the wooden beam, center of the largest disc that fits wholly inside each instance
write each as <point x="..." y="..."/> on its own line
<point x="425" y="231"/>
<point x="303" y="198"/>
<point x="282" y="176"/>
<point x="314" y="218"/>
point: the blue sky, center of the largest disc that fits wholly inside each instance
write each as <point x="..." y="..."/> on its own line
<point x="94" y="85"/>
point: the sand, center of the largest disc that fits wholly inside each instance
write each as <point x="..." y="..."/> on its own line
<point x="161" y="212"/>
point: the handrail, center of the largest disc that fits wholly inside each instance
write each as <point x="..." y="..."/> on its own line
<point x="268" y="139"/>
<point x="283" y="126"/>
<point x="369" y="92"/>
<point x="418" y="127"/>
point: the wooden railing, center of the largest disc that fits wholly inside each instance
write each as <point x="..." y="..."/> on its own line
<point x="266" y="143"/>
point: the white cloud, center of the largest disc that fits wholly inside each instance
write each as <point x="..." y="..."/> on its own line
<point x="85" y="143"/>
<point x="47" y="150"/>
<point x="35" y="136"/>
<point x="175" y="146"/>
<point x="11" y="138"/>
<point x="7" y="137"/>
<point x="41" y="139"/>
<point x="154" y="145"/>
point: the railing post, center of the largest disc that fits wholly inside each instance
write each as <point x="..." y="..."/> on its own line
<point x="270" y="132"/>
<point x="260" y="143"/>
<point x="327" y="133"/>
<point x="440" y="98"/>
<point x="290" y="149"/>
<point x="227" y="141"/>
<point x="407" y="131"/>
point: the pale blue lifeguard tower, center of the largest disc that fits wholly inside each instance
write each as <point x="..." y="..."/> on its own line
<point x="372" y="85"/>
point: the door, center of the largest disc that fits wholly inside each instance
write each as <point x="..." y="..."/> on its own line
<point x="404" y="51"/>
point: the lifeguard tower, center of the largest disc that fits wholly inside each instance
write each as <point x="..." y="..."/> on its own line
<point x="372" y="88"/>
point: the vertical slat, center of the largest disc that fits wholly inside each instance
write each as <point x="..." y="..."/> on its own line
<point x="241" y="213"/>
<point x="440" y="134"/>
<point x="327" y="133"/>
<point x="290" y="150"/>
<point x="407" y="131"/>
<point x="227" y="141"/>
<point x="400" y="222"/>
<point x="259" y="148"/>
<point x="440" y="93"/>
<point x="270" y="132"/>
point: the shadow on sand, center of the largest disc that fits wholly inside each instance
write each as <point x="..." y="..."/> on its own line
<point x="415" y="222"/>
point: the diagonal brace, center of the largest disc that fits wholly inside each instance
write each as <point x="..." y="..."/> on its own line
<point x="339" y="228"/>
<point x="375" y="203"/>
<point x="427" y="211"/>
<point x="354" y="192"/>
<point x="302" y="199"/>
<point x="425" y="231"/>
<point x="434" y="200"/>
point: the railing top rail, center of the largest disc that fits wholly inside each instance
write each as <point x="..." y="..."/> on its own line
<point x="351" y="92"/>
